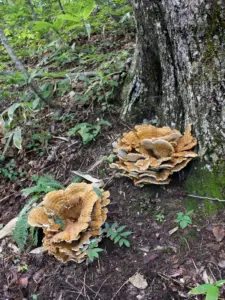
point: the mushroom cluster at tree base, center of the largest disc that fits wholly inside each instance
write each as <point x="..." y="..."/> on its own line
<point x="71" y="220"/>
<point x="150" y="155"/>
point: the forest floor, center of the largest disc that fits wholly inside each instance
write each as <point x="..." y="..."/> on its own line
<point x="171" y="261"/>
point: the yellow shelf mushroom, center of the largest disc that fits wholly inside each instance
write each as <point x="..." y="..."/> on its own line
<point x="71" y="220"/>
<point x="149" y="154"/>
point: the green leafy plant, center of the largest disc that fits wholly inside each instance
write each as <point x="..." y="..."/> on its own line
<point x="93" y="251"/>
<point x="9" y="170"/>
<point x="87" y="131"/>
<point x="79" y="14"/>
<point x="109" y="158"/>
<point x="117" y="234"/>
<point x="8" y="121"/>
<point x="159" y="217"/>
<point x="23" y="232"/>
<point x="22" y="229"/>
<point x="68" y="118"/>
<point x="39" y="141"/>
<point x="39" y="25"/>
<point x="210" y="290"/>
<point x="23" y="268"/>
<point x="44" y="184"/>
<point x="102" y="172"/>
<point x="184" y="219"/>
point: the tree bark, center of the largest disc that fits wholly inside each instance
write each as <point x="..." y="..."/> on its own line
<point x="177" y="76"/>
<point x="21" y="67"/>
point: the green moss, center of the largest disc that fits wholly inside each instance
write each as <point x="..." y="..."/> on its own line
<point x="191" y="204"/>
<point x="207" y="183"/>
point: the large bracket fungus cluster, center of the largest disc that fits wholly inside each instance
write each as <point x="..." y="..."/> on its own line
<point x="71" y="220"/>
<point x="149" y="154"/>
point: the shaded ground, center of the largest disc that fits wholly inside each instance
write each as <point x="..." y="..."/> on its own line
<point x="171" y="264"/>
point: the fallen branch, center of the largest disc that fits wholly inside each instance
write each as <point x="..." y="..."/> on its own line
<point x="120" y="289"/>
<point x="101" y="286"/>
<point x="58" y="76"/>
<point x="206" y="198"/>
<point x="21" y="67"/>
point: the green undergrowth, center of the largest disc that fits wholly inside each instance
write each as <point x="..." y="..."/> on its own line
<point x="206" y="182"/>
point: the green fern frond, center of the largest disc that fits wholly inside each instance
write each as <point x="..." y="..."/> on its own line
<point x="23" y="232"/>
<point x="44" y="184"/>
<point x="49" y="181"/>
<point x="20" y="233"/>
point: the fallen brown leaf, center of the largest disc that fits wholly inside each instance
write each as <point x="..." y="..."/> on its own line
<point x="138" y="281"/>
<point x="38" y="276"/>
<point x="219" y="233"/>
<point x="176" y="273"/>
<point x="151" y="257"/>
<point x="23" y="282"/>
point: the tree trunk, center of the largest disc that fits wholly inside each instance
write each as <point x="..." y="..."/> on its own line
<point x="177" y="76"/>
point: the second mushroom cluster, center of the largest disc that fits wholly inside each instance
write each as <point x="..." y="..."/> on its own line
<point x="71" y="220"/>
<point x="149" y="154"/>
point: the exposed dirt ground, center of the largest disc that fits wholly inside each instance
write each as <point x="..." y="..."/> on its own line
<point x="171" y="263"/>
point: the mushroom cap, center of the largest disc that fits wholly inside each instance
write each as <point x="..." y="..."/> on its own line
<point x="159" y="176"/>
<point x="38" y="218"/>
<point x="148" y="180"/>
<point x="184" y="154"/>
<point x="187" y="141"/>
<point x="143" y="164"/>
<point x="147" y="131"/>
<point x="134" y="157"/>
<point x="174" y="136"/>
<point x="181" y="165"/>
<point x="122" y="153"/>
<point x="159" y="147"/>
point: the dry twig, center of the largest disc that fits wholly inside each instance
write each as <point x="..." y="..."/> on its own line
<point x="206" y="198"/>
<point x="120" y="289"/>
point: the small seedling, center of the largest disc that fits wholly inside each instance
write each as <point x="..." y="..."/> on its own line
<point x="116" y="234"/>
<point x="23" y="268"/>
<point x="184" y="219"/>
<point x="109" y="158"/>
<point x="211" y="290"/>
<point x="10" y="171"/>
<point x="169" y="250"/>
<point x="102" y="172"/>
<point x="39" y="142"/>
<point x="159" y="218"/>
<point x="93" y="251"/>
<point x="34" y="297"/>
